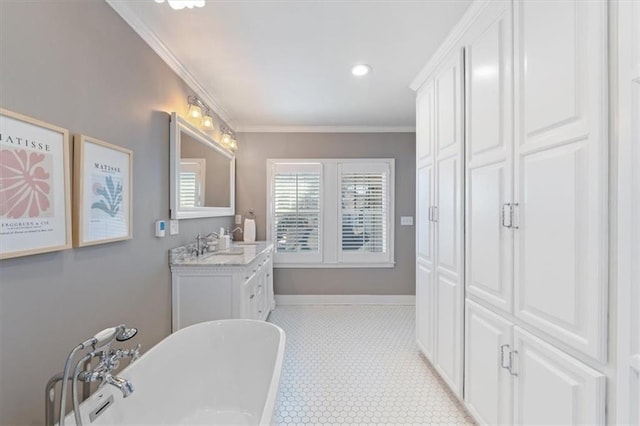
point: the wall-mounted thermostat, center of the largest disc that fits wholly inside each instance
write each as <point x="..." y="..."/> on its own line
<point x="161" y="226"/>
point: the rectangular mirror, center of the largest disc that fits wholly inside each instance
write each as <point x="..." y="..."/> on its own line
<point x="202" y="174"/>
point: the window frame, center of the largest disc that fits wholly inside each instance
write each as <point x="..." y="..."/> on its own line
<point x="330" y="221"/>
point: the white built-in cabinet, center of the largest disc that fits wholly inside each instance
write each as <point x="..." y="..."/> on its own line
<point x="514" y="377"/>
<point x="527" y="104"/>
<point x="440" y="268"/>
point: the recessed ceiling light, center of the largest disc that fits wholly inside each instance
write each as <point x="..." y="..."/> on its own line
<point x="360" y="70"/>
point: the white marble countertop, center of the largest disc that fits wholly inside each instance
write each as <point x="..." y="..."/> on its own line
<point x="240" y="254"/>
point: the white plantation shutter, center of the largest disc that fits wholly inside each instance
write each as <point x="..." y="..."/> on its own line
<point x="188" y="189"/>
<point x="296" y="211"/>
<point x="331" y="212"/>
<point x="192" y="172"/>
<point x="364" y="212"/>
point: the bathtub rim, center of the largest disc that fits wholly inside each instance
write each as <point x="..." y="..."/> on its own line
<point x="274" y="385"/>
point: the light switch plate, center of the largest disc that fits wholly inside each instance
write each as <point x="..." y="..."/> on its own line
<point x="406" y="220"/>
<point x="174" y="228"/>
<point x="238" y="219"/>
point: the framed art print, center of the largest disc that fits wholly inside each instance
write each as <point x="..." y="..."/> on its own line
<point x="35" y="188"/>
<point x="102" y="192"/>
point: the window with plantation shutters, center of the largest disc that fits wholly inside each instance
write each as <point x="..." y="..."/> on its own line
<point x="364" y="211"/>
<point x="296" y="211"/>
<point x="331" y="212"/>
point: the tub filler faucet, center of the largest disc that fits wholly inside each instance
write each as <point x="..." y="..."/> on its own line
<point x="84" y="372"/>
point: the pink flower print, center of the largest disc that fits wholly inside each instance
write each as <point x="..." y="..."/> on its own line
<point x="24" y="184"/>
<point x="95" y="188"/>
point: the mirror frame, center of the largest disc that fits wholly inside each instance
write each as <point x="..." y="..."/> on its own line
<point x="177" y="127"/>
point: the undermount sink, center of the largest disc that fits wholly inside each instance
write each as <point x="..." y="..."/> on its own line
<point x="232" y="251"/>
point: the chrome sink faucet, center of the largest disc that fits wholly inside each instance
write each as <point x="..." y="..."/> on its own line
<point x="201" y="243"/>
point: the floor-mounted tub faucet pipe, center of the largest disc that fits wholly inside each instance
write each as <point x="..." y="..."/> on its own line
<point x="101" y="339"/>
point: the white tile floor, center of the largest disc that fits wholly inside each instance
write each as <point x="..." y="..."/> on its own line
<point x="358" y="364"/>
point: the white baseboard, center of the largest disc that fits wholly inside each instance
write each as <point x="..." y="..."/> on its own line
<point x="344" y="299"/>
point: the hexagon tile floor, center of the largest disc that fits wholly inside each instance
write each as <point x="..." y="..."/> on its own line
<point x="358" y="364"/>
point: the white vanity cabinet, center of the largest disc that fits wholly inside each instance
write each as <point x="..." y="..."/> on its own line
<point x="222" y="286"/>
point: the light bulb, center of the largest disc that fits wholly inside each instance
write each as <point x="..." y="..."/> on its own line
<point x="226" y="140"/>
<point x="233" y="145"/>
<point x="195" y="112"/>
<point x="360" y="70"/>
<point x="207" y="122"/>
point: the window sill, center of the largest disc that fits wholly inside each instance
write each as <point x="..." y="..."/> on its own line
<point x="333" y="265"/>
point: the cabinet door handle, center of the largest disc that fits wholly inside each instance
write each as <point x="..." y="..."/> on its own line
<point x="514" y="216"/>
<point x="512" y="357"/>
<point x="502" y="357"/>
<point x="506" y="212"/>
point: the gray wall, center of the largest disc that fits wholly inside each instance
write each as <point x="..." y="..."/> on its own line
<point x="251" y="171"/>
<point x="76" y="64"/>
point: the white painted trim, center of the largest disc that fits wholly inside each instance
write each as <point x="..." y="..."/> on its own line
<point x="344" y="299"/>
<point x="130" y="17"/>
<point x="452" y="41"/>
<point x="303" y="265"/>
<point x="325" y="129"/>
<point x="625" y="68"/>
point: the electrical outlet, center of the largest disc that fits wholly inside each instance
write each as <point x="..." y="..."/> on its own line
<point x="238" y="219"/>
<point x="174" y="227"/>
<point x="406" y="220"/>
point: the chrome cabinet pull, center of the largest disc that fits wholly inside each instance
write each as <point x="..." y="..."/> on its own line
<point x="435" y="213"/>
<point x="512" y="356"/>
<point x="506" y="212"/>
<point x="502" y="357"/>
<point x="514" y="213"/>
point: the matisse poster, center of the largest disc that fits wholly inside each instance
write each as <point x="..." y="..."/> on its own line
<point x="34" y="186"/>
<point x="103" y="191"/>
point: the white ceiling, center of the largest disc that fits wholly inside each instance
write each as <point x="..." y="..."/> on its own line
<point x="286" y="64"/>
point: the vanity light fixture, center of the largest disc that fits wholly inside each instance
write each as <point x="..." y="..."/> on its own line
<point x="233" y="144"/>
<point x="225" y="140"/>
<point x="195" y="109"/>
<point x="361" y="70"/>
<point x="181" y="4"/>
<point x="207" y="121"/>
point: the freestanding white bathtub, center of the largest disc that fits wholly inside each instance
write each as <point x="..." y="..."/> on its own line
<point x="214" y="373"/>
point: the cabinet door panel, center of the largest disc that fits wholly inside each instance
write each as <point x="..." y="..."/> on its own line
<point x="424" y="310"/>
<point x="448" y="342"/>
<point x="489" y="162"/>
<point x="561" y="171"/>
<point x="553" y="387"/>
<point x="488" y="386"/>
<point x="448" y="214"/>
<point x="424" y="123"/>
<point x="489" y="244"/>
<point x="423" y="190"/>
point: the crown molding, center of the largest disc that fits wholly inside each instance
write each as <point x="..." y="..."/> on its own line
<point x="326" y="129"/>
<point x="130" y="17"/>
<point x="452" y="40"/>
